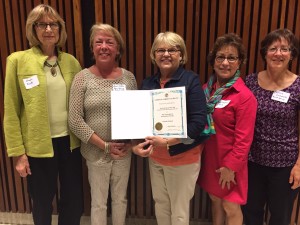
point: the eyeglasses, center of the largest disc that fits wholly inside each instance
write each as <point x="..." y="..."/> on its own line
<point x="283" y="50"/>
<point x="161" y="51"/>
<point x="43" y="26"/>
<point x="230" y="59"/>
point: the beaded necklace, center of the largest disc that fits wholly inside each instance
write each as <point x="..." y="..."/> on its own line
<point x="52" y="68"/>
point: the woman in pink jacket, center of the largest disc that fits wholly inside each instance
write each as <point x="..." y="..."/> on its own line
<point x="232" y="107"/>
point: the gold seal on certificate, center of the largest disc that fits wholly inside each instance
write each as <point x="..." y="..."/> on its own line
<point x="158" y="126"/>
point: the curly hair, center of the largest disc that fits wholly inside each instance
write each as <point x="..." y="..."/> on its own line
<point x="230" y="39"/>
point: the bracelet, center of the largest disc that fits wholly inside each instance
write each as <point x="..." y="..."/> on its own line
<point x="106" y="147"/>
<point x="168" y="146"/>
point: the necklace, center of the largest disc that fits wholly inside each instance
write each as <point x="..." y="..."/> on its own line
<point x="163" y="81"/>
<point x="52" y="68"/>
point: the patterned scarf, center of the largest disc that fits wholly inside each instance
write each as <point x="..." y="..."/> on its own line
<point x="214" y="99"/>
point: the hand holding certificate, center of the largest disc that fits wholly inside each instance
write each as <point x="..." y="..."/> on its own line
<point x="140" y="113"/>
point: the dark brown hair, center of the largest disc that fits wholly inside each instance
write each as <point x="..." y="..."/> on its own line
<point x="227" y="40"/>
<point x="277" y="35"/>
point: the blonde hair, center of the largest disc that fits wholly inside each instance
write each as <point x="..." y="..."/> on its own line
<point x="172" y="39"/>
<point x="39" y="12"/>
<point x="106" y="28"/>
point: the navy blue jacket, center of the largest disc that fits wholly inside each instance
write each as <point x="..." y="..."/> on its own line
<point x="195" y="104"/>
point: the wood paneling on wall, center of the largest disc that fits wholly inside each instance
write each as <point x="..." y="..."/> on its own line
<point x="199" y="22"/>
<point x="13" y="189"/>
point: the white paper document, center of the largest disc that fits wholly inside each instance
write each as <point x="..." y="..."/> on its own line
<point x="136" y="114"/>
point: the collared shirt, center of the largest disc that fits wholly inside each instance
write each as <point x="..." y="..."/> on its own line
<point x="234" y="120"/>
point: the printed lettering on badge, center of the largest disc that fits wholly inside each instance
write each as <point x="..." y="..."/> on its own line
<point x="31" y="82"/>
<point x="119" y="87"/>
<point x="222" y="104"/>
<point x="280" y="96"/>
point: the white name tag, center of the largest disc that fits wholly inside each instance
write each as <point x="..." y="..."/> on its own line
<point x="222" y="104"/>
<point x="31" y="82"/>
<point x="119" y="87"/>
<point x="280" y="96"/>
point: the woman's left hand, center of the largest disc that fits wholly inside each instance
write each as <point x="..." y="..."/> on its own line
<point x="226" y="177"/>
<point x="156" y="141"/>
<point x="295" y="176"/>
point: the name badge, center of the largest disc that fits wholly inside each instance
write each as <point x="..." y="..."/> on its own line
<point x="31" y="82"/>
<point x="222" y="104"/>
<point x="280" y="96"/>
<point x="119" y="87"/>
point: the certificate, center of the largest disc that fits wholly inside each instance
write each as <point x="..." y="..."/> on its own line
<point x="136" y="114"/>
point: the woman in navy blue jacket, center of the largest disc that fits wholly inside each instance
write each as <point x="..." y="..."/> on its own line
<point x="174" y="163"/>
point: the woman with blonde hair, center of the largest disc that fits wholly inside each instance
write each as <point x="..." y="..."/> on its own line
<point x="37" y="85"/>
<point x="174" y="163"/>
<point x="108" y="161"/>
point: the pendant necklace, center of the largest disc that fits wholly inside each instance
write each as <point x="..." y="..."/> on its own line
<point x="52" y="68"/>
<point x="163" y="82"/>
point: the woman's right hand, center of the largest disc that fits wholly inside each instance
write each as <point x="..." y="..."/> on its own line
<point x="227" y="176"/>
<point x="143" y="149"/>
<point x="118" y="150"/>
<point x="22" y="166"/>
